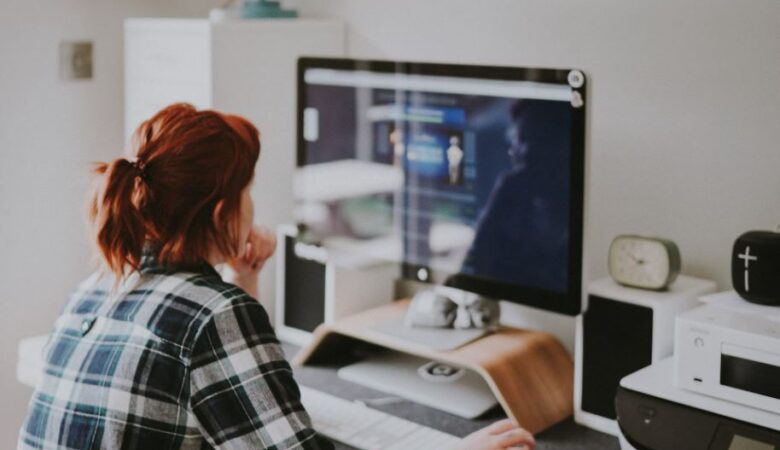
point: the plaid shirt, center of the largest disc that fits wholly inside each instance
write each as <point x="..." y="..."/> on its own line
<point x="169" y="360"/>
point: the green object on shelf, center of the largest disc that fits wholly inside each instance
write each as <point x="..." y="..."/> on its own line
<point x="265" y="9"/>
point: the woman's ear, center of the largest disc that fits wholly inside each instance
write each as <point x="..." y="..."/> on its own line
<point x="216" y="216"/>
<point x="225" y="227"/>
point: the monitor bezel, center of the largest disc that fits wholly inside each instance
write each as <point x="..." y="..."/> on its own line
<point x="569" y="302"/>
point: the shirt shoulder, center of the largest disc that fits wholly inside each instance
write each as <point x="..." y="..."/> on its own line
<point x="173" y="306"/>
<point x="177" y="306"/>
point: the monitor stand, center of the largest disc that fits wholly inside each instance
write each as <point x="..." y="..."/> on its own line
<point x="441" y="339"/>
<point x="528" y="372"/>
<point x="446" y="387"/>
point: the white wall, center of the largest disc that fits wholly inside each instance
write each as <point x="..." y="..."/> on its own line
<point x="684" y="102"/>
<point x="49" y="132"/>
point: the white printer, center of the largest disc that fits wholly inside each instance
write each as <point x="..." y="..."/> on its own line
<point x="730" y="349"/>
<point x="720" y="390"/>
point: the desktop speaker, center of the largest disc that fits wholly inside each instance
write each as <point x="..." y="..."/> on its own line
<point x="623" y="330"/>
<point x="313" y="286"/>
<point x="755" y="267"/>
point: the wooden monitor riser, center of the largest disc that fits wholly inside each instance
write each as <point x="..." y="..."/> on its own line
<point x="529" y="372"/>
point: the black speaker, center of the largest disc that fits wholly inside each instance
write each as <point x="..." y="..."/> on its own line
<point x="755" y="267"/>
<point x="304" y="290"/>
<point x="617" y="340"/>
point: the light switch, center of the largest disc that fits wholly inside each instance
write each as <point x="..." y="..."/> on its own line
<point x="76" y="60"/>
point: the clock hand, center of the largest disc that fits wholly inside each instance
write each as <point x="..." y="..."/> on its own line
<point x="639" y="261"/>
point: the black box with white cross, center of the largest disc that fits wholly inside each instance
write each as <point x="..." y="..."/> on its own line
<point x="755" y="267"/>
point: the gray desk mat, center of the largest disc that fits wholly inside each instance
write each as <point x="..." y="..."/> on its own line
<point x="565" y="435"/>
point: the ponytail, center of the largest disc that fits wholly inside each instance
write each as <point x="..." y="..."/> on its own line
<point x="119" y="225"/>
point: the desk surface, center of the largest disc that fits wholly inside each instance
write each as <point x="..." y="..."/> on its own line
<point x="564" y="436"/>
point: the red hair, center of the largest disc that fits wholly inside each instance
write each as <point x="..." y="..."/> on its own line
<point x="180" y="196"/>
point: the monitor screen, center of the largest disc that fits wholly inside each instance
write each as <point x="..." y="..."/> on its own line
<point x="469" y="176"/>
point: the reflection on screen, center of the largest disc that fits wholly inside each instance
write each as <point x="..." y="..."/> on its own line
<point x="459" y="175"/>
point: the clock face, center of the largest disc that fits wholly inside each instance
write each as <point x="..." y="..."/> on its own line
<point x="641" y="262"/>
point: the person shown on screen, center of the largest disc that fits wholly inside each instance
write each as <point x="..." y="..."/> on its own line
<point x="454" y="158"/>
<point x="522" y="234"/>
<point x="396" y="138"/>
<point x="157" y="350"/>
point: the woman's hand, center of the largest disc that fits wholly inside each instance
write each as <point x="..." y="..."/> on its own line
<point x="260" y="246"/>
<point x="501" y="435"/>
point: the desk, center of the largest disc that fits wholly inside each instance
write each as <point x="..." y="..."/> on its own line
<point x="564" y="436"/>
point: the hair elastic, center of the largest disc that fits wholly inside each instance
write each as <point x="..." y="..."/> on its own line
<point x="139" y="167"/>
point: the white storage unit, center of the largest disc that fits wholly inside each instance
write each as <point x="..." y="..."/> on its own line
<point x="623" y="330"/>
<point x="246" y="67"/>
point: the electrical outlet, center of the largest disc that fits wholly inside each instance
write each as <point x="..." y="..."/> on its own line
<point x="76" y="60"/>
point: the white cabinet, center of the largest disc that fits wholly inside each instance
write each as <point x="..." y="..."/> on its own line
<point x="245" y="67"/>
<point x="166" y="61"/>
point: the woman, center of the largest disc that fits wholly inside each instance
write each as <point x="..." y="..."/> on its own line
<point x="156" y="350"/>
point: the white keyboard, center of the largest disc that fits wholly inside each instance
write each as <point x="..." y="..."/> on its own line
<point x="369" y="429"/>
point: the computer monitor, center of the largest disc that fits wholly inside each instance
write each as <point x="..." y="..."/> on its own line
<point x="469" y="176"/>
